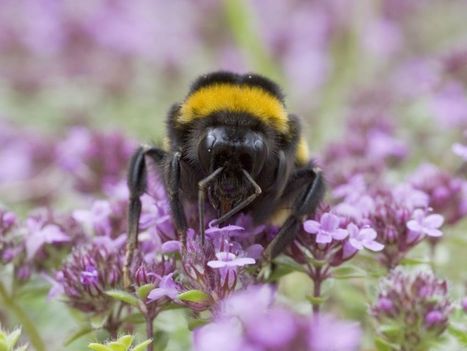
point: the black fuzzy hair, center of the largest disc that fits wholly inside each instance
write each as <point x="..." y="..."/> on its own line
<point x="248" y="79"/>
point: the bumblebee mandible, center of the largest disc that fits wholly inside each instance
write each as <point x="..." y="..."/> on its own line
<point x="232" y="146"/>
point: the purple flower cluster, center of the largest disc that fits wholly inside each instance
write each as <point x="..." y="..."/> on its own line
<point x="38" y="243"/>
<point x="336" y="239"/>
<point x="249" y="321"/>
<point x="8" y="246"/>
<point x="415" y="306"/>
<point x="220" y="266"/>
<point x="87" y="275"/>
<point x="95" y="161"/>
<point x="26" y="160"/>
<point x="400" y="215"/>
<point x="447" y="193"/>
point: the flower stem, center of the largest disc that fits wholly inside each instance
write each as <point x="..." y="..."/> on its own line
<point x="317" y="290"/>
<point x="150" y="331"/>
<point x="26" y="323"/>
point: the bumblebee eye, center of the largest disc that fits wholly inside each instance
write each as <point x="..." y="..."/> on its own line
<point x="205" y="150"/>
<point x="261" y="153"/>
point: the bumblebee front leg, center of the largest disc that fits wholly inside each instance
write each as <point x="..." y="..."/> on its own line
<point x="309" y="184"/>
<point x="137" y="182"/>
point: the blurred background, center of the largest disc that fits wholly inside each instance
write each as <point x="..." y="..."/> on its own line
<point x="70" y="70"/>
<point x="120" y="64"/>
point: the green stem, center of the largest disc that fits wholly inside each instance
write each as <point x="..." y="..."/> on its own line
<point x="150" y="331"/>
<point x="26" y="323"/>
<point x="317" y="289"/>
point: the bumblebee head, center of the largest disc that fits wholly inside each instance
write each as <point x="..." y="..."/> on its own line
<point x="233" y="148"/>
<point x="236" y="116"/>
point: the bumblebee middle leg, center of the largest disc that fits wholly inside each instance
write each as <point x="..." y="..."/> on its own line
<point x="309" y="184"/>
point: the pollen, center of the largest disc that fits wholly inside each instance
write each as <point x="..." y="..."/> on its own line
<point x="235" y="98"/>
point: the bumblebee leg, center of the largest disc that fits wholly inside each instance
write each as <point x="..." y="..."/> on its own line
<point x="242" y="204"/>
<point x="311" y="182"/>
<point x="202" y="185"/>
<point x="176" y="206"/>
<point x="137" y="182"/>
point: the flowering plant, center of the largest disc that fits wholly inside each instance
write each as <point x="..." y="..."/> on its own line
<point x="380" y="266"/>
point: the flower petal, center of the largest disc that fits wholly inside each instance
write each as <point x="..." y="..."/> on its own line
<point x="171" y="246"/>
<point x="311" y="226"/>
<point x="414" y="226"/>
<point x="227" y="228"/>
<point x="157" y="293"/>
<point x="368" y="234"/>
<point x="353" y="230"/>
<point x="340" y="234"/>
<point x="242" y="261"/>
<point x="322" y="238"/>
<point x="433" y="232"/>
<point x="433" y="221"/>
<point x="225" y="256"/>
<point x="373" y="245"/>
<point x="329" y="221"/>
<point x="217" y="264"/>
<point x="356" y="243"/>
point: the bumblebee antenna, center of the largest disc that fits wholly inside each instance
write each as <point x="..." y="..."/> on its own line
<point x="242" y="204"/>
<point x="202" y="185"/>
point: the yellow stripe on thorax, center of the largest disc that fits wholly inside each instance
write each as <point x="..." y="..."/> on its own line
<point x="302" y="155"/>
<point x="235" y="98"/>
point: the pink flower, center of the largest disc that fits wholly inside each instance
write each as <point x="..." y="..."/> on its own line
<point x="363" y="238"/>
<point x="326" y="229"/>
<point x="423" y="224"/>
<point x="40" y="235"/>
<point x="228" y="259"/>
<point x="460" y="150"/>
<point x="167" y="288"/>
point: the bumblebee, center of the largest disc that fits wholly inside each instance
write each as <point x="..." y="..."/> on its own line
<point x="232" y="147"/>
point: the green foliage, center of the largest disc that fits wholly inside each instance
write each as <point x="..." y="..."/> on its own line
<point x="9" y="341"/>
<point x="193" y="296"/>
<point x="121" y="344"/>
<point x="123" y="296"/>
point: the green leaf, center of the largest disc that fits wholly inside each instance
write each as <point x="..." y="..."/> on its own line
<point x="99" y="347"/>
<point x="383" y="345"/>
<point x="13" y="337"/>
<point x="196" y="323"/>
<point x="143" y="291"/>
<point x="82" y="331"/>
<point x="458" y="333"/>
<point x="160" y="340"/>
<point x="193" y="296"/>
<point x="116" y="346"/>
<point x="142" y="346"/>
<point x="349" y="272"/>
<point x="317" y="300"/>
<point x="414" y="261"/>
<point x="98" y="320"/>
<point x="123" y="296"/>
<point x="4" y="346"/>
<point x="391" y="330"/>
<point x="135" y="318"/>
<point x="126" y="340"/>
<point x="283" y="266"/>
<point x="171" y="306"/>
